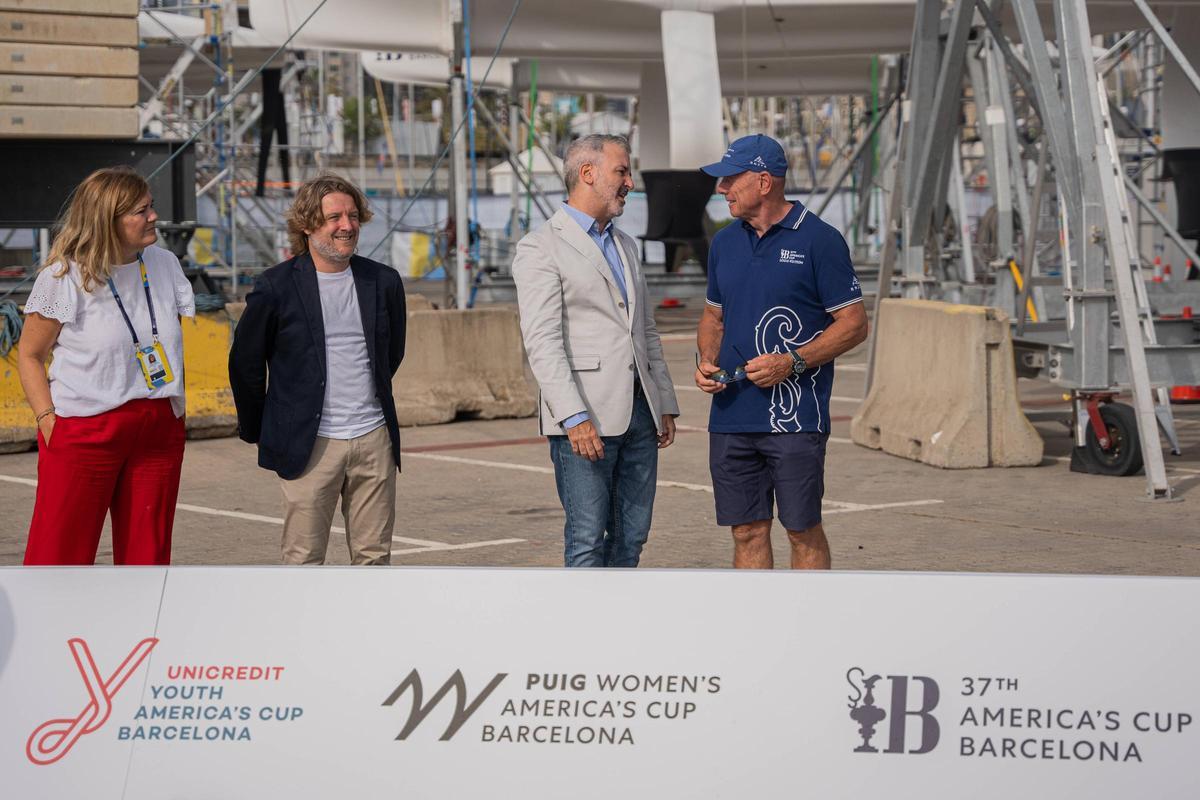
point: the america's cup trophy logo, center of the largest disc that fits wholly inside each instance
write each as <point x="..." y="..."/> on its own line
<point x="866" y="713"/>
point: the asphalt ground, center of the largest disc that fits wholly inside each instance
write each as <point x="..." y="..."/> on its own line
<point x="481" y="493"/>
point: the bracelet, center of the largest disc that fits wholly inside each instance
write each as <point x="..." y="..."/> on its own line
<point x="38" y="419"/>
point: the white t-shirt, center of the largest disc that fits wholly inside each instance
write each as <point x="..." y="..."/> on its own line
<point x="351" y="408"/>
<point x="93" y="368"/>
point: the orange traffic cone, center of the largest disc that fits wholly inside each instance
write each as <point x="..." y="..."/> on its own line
<point x="1185" y="394"/>
<point x="1158" y="273"/>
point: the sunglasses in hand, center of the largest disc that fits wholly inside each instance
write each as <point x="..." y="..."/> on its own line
<point x="726" y="376"/>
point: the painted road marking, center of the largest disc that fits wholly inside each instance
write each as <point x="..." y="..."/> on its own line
<point x="480" y="444"/>
<point x="15" y="479"/>
<point x="832" y="506"/>
<point x="418" y="545"/>
<point x="425" y="448"/>
<point x="847" y="508"/>
<point x="842" y="440"/>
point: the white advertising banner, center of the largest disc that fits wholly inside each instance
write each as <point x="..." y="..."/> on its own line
<point x="472" y="683"/>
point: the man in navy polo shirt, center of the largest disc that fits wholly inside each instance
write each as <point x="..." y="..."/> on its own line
<point x="783" y="301"/>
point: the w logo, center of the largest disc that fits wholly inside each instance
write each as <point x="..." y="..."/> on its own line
<point x="462" y="709"/>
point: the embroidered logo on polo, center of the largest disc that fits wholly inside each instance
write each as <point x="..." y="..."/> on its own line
<point x="791" y="257"/>
<point x="778" y="331"/>
<point x="758" y="162"/>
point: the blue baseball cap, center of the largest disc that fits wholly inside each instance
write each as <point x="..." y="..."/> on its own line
<point x="755" y="153"/>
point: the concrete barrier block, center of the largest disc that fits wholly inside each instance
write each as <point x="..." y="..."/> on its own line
<point x="945" y="389"/>
<point x="412" y="302"/>
<point x="462" y="362"/>
<point x="456" y="362"/>
<point x="417" y="302"/>
<point x="210" y="411"/>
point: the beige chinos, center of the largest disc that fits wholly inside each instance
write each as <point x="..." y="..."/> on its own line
<point x="362" y="472"/>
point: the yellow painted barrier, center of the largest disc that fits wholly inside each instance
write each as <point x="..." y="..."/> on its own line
<point x="206" y="341"/>
<point x="210" y="411"/>
<point x="201" y="248"/>
<point x="444" y="373"/>
<point x="17" y="431"/>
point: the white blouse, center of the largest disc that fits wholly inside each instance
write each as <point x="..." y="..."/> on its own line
<point x="93" y="368"/>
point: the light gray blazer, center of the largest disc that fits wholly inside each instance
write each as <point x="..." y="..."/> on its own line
<point x="584" y="345"/>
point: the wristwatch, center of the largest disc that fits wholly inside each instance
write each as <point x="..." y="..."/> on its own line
<point x="798" y="363"/>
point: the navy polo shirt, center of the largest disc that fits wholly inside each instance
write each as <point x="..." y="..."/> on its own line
<point x="777" y="293"/>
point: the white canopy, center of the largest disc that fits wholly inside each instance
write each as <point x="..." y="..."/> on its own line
<point x="822" y="75"/>
<point x="433" y="69"/>
<point x="154" y="25"/>
<point x="623" y="29"/>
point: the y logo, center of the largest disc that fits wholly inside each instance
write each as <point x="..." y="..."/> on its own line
<point x="462" y="710"/>
<point x="54" y="738"/>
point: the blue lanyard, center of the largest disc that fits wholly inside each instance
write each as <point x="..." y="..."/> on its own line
<point x="149" y="301"/>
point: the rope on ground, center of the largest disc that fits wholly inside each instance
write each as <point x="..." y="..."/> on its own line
<point x="10" y="331"/>
<point x="209" y="302"/>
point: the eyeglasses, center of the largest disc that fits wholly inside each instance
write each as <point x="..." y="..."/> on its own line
<point x="725" y="376"/>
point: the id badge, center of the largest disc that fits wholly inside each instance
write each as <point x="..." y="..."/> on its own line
<point x="155" y="368"/>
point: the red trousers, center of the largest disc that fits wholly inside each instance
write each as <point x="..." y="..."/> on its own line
<point x="126" y="461"/>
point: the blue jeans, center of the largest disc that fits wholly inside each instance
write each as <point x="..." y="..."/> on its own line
<point x="609" y="502"/>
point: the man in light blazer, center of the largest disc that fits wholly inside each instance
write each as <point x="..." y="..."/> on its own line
<point x="607" y="402"/>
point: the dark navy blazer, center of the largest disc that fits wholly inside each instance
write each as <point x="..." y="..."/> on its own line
<point x="281" y="336"/>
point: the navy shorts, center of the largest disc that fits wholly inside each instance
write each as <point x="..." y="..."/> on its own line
<point x="752" y="471"/>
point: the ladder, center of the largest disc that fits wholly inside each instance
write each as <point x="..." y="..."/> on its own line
<point x="1152" y="407"/>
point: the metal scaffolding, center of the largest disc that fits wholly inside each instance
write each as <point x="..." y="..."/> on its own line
<point x="1050" y="136"/>
<point x="1063" y="145"/>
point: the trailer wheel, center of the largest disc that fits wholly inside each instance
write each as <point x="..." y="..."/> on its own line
<point x="1124" y="455"/>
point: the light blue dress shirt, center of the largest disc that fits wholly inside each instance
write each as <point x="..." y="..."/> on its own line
<point x="607" y="243"/>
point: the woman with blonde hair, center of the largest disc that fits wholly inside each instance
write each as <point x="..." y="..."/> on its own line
<point x="106" y="306"/>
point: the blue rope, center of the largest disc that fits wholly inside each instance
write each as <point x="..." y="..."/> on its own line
<point x="10" y="331"/>
<point x="209" y="302"/>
